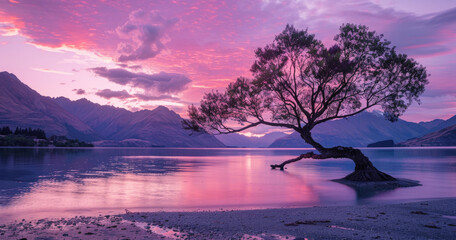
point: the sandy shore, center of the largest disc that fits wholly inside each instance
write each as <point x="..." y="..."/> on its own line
<point x="434" y="219"/>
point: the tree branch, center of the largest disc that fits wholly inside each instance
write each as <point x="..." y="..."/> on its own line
<point x="302" y="156"/>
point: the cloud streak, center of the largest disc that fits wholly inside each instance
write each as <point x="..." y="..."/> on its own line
<point x="162" y="82"/>
<point x="108" y="94"/>
<point x="45" y="70"/>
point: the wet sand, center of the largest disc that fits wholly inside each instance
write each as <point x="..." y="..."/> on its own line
<point x="434" y="219"/>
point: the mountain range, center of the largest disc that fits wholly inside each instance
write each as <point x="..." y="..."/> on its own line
<point x="431" y="124"/>
<point x="118" y="126"/>
<point x="356" y="131"/>
<point x="363" y="129"/>
<point x="443" y="124"/>
<point x="21" y="106"/>
<point x="442" y="137"/>
<point x="239" y="140"/>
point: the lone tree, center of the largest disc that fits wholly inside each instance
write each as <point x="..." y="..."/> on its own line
<point x="298" y="83"/>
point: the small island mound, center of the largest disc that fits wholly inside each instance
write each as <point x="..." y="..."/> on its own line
<point x="385" y="143"/>
<point x="28" y="137"/>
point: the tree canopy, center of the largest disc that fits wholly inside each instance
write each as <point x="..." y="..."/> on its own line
<point x="299" y="83"/>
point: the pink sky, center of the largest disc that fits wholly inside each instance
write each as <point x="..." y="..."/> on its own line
<point x="141" y="54"/>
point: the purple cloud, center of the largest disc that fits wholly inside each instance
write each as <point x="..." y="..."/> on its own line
<point x="133" y="67"/>
<point x="80" y="91"/>
<point x="417" y="35"/>
<point x="143" y="33"/>
<point x="162" y="82"/>
<point x="108" y="94"/>
<point x="425" y="35"/>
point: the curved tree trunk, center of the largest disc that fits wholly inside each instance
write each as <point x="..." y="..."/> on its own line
<point x="364" y="169"/>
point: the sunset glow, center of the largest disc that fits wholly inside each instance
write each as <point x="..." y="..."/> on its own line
<point x="175" y="51"/>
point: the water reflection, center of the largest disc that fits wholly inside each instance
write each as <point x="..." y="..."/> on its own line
<point x="56" y="182"/>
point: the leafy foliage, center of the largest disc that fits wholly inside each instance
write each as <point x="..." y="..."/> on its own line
<point x="299" y="83"/>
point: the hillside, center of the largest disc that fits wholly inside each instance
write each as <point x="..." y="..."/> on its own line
<point x="157" y="127"/>
<point x="21" y="106"/>
<point x="443" y="137"/>
<point x="431" y="124"/>
<point x="447" y="123"/>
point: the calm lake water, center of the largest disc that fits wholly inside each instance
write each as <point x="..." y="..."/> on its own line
<point x="66" y="182"/>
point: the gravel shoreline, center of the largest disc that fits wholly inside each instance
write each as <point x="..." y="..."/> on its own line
<point x="434" y="219"/>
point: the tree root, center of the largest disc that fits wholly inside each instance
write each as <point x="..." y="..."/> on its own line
<point x="369" y="175"/>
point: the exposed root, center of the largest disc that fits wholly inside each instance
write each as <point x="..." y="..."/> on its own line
<point x="369" y="175"/>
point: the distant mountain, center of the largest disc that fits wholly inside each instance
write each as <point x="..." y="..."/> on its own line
<point x="443" y="137"/>
<point x="431" y="124"/>
<point x="20" y="106"/>
<point x="447" y="123"/>
<point x="120" y="127"/>
<point x="356" y="131"/>
<point x="238" y="140"/>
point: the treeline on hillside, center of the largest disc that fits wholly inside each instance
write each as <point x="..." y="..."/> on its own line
<point x="28" y="137"/>
<point x="38" y="133"/>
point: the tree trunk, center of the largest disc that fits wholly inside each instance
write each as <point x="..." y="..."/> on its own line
<point x="364" y="169"/>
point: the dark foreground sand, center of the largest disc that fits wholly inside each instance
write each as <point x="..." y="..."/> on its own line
<point x="421" y="220"/>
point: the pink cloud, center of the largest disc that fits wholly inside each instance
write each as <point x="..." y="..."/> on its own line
<point x="79" y="91"/>
<point x="212" y="42"/>
<point x="144" y="32"/>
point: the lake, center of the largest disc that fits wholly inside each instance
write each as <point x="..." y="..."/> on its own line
<point x="50" y="182"/>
